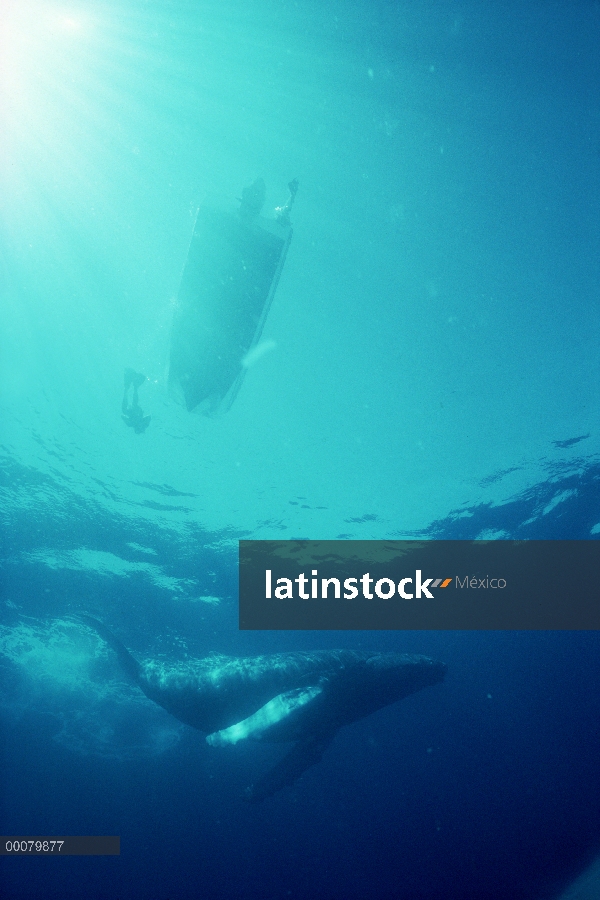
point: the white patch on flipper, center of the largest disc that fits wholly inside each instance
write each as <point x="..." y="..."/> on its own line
<point x="280" y="707"/>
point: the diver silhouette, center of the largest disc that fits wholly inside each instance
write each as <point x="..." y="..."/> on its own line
<point x="133" y="415"/>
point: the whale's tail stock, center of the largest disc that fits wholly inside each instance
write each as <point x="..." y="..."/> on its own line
<point x="129" y="665"/>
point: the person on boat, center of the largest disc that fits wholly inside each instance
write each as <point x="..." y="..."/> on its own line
<point x="133" y="415"/>
<point x="282" y="213"/>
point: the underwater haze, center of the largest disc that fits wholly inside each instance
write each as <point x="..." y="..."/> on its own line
<point x="429" y="368"/>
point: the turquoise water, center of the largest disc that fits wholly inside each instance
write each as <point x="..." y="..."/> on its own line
<point x="436" y="319"/>
<point x="431" y="352"/>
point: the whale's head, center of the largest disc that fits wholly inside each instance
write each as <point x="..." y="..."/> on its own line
<point x="428" y="671"/>
<point x="396" y="675"/>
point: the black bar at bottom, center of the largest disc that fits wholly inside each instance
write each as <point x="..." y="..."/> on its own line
<point x="59" y="846"/>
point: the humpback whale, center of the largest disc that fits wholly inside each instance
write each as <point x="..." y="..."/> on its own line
<point x="299" y="697"/>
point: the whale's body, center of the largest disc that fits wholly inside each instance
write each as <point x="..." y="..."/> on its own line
<point x="303" y="697"/>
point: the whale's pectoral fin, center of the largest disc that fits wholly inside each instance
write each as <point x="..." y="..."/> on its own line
<point x="302" y="756"/>
<point x="280" y="709"/>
